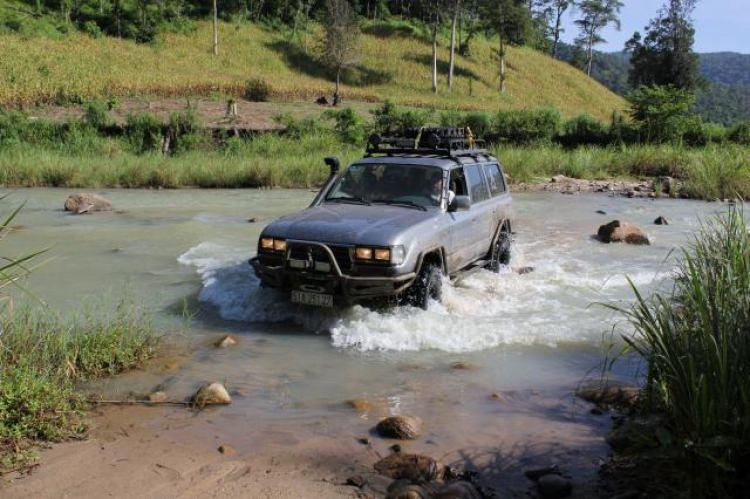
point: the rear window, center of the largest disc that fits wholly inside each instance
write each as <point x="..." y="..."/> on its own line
<point x="477" y="186"/>
<point x="494" y="179"/>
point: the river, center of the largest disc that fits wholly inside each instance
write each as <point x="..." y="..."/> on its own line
<point x="530" y="339"/>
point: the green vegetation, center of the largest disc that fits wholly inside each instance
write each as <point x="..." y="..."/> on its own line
<point x="43" y="357"/>
<point x="696" y="343"/>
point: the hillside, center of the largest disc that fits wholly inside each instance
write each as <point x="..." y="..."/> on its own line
<point x="77" y="67"/>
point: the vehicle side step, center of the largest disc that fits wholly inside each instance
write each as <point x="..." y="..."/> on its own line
<point x="476" y="267"/>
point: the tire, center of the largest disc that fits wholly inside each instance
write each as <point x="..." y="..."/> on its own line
<point x="428" y="285"/>
<point x="500" y="254"/>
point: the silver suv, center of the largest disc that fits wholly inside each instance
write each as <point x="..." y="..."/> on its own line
<point x="417" y="207"/>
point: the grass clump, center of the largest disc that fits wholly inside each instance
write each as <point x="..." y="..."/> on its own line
<point x="696" y="343"/>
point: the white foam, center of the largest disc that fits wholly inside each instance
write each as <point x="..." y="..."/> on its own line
<point x="480" y="311"/>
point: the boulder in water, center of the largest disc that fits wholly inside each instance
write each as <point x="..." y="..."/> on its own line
<point x="158" y="398"/>
<point x="553" y="486"/>
<point x="409" y="466"/>
<point x="86" y="202"/>
<point x="609" y="393"/>
<point x="408" y="491"/>
<point x="212" y="394"/>
<point x="534" y="474"/>
<point x="226" y="341"/>
<point x="617" y="232"/>
<point x="400" y="427"/>
<point x="458" y="490"/>
<point x="661" y="221"/>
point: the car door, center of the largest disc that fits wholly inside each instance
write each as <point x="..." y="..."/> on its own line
<point x="501" y="200"/>
<point x="481" y="210"/>
<point x="463" y="226"/>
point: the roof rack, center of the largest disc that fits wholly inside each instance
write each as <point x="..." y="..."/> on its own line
<point x="448" y="142"/>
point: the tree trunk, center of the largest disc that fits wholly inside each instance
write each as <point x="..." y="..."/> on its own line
<point x="501" y="53"/>
<point x="556" y="35"/>
<point x="216" y="29"/>
<point x="338" y="79"/>
<point x="456" y="6"/>
<point x="590" y="55"/>
<point x="434" y="55"/>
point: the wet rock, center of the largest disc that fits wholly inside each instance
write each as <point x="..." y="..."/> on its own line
<point x="400" y="427"/>
<point x="356" y="481"/>
<point x="596" y="411"/>
<point x="462" y="366"/>
<point x="616" y="231"/>
<point x="409" y="466"/>
<point x="212" y="394"/>
<point x="668" y="185"/>
<point x="226" y="341"/>
<point x="360" y="404"/>
<point x="364" y="441"/>
<point x="601" y="212"/>
<point x="641" y="433"/>
<point x="534" y="474"/>
<point x="661" y="221"/>
<point x="552" y="486"/>
<point x="227" y="450"/>
<point x="458" y="490"/>
<point x="395" y="447"/>
<point x="408" y="491"/>
<point x="84" y="202"/>
<point x="630" y="494"/>
<point x="253" y="220"/>
<point x="525" y="270"/>
<point x="158" y="397"/>
<point x="610" y="393"/>
<point x="500" y="397"/>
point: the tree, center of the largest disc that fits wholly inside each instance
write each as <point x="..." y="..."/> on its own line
<point x="557" y="8"/>
<point x="340" y="46"/>
<point x="456" y="10"/>
<point x="597" y="14"/>
<point x="661" y="112"/>
<point x="510" y="20"/>
<point x="665" y="55"/>
<point x="216" y="30"/>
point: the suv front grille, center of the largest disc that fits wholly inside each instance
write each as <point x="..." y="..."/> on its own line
<point x="342" y="254"/>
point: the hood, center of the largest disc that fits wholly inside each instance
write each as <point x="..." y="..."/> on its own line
<point x="377" y="225"/>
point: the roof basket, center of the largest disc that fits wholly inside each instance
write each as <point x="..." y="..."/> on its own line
<point x="449" y="142"/>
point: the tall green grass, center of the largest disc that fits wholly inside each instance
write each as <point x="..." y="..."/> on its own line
<point x="696" y="343"/>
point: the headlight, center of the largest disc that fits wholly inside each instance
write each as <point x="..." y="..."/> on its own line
<point x="394" y="255"/>
<point x="272" y="244"/>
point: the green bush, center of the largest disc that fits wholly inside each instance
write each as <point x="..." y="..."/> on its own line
<point x="144" y="131"/>
<point x="97" y="115"/>
<point x="389" y="119"/>
<point x="296" y="128"/>
<point x="480" y="124"/>
<point x="662" y="113"/>
<point x="348" y="124"/>
<point x="452" y="118"/>
<point x="584" y="129"/>
<point x="257" y="90"/>
<point x="527" y="127"/>
<point x="92" y="29"/>
<point x="740" y="133"/>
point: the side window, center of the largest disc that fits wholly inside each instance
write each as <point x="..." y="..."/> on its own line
<point x="477" y="185"/>
<point x="458" y="182"/>
<point x="494" y="179"/>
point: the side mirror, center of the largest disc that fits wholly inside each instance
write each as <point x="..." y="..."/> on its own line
<point x="460" y="203"/>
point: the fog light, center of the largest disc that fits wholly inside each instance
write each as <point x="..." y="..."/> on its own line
<point x="279" y="245"/>
<point x="363" y="253"/>
<point x="322" y="267"/>
<point x="266" y="243"/>
<point x="383" y="255"/>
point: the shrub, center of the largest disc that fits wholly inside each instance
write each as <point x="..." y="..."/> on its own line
<point x="347" y="123"/>
<point x="740" y="133"/>
<point x="257" y="90"/>
<point x="584" y="129"/>
<point x="526" y="127"/>
<point x="389" y="119"/>
<point x="144" y="131"/>
<point x="661" y="113"/>
<point x="97" y="114"/>
<point x="480" y="124"/>
<point x="92" y="29"/>
<point x="296" y="128"/>
<point x="452" y="118"/>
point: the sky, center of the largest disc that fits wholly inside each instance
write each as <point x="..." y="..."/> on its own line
<point x="720" y="25"/>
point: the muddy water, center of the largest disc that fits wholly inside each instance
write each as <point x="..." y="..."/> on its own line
<point x="529" y="338"/>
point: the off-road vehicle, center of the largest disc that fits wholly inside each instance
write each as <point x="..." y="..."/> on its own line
<point x="422" y="205"/>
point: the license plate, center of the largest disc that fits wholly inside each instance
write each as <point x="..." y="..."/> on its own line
<point x="315" y="299"/>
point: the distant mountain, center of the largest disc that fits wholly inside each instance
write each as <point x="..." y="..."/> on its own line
<point x="726" y="101"/>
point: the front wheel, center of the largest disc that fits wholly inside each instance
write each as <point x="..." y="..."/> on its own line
<point x="428" y="285"/>
<point x="500" y="254"/>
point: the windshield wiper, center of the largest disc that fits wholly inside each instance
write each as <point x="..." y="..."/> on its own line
<point x="348" y="200"/>
<point x="408" y="204"/>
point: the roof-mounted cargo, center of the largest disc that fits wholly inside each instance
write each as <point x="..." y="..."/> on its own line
<point x="447" y="142"/>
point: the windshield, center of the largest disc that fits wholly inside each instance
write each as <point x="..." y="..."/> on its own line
<point x="391" y="184"/>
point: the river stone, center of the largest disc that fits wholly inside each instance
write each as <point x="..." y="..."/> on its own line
<point x="617" y="232"/>
<point x="158" y="397"/>
<point x="534" y="474"/>
<point x="409" y="466"/>
<point x="226" y="341"/>
<point x="552" y="486"/>
<point x="610" y="393"/>
<point x="227" y="450"/>
<point x="212" y="394"/>
<point x="462" y="366"/>
<point x="360" y="404"/>
<point x="661" y="221"/>
<point x="641" y="432"/>
<point x="458" y="490"/>
<point x="84" y="202"/>
<point x="400" y="427"/>
<point x="408" y="492"/>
